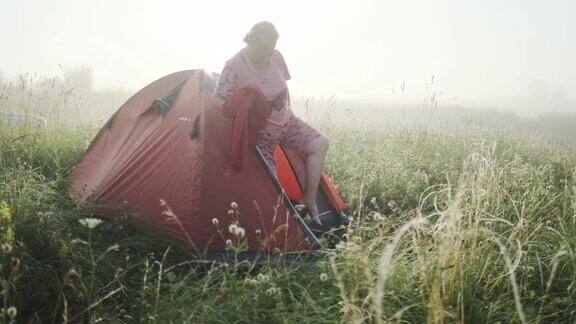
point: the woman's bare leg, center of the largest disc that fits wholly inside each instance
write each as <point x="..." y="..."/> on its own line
<point x="315" y="153"/>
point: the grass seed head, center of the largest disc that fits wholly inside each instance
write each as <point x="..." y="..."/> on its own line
<point x="12" y="312"/>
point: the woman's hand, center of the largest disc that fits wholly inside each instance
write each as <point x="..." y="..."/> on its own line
<point x="275" y="105"/>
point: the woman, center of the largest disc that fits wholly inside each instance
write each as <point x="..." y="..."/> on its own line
<point x="260" y="64"/>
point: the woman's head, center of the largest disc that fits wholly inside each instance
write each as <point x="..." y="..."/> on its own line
<point x="261" y="40"/>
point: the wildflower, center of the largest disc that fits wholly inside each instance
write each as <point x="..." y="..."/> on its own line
<point x="6" y="248"/>
<point x="271" y="291"/>
<point x="392" y="205"/>
<point x="15" y="264"/>
<point x="230" y="212"/>
<point x="323" y="277"/>
<point x="12" y="312"/>
<point x="215" y="221"/>
<point x="71" y="276"/>
<point x="90" y="222"/>
<point x="262" y="277"/>
<point x="229" y="243"/>
<point x="257" y="232"/>
<point x="236" y="230"/>
<point x="240" y="232"/>
<point x="373" y="201"/>
<point x="234" y="205"/>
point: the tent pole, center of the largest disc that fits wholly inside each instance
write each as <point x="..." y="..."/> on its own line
<point x="314" y="240"/>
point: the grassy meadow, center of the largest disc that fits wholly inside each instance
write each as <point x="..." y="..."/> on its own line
<point x="459" y="225"/>
<point x="452" y="225"/>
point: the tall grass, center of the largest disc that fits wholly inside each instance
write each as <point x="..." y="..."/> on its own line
<point x="452" y="226"/>
<point x="61" y="100"/>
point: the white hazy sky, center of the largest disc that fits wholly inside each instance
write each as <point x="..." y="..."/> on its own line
<point x="482" y="52"/>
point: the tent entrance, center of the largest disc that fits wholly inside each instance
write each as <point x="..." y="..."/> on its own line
<point x="288" y="184"/>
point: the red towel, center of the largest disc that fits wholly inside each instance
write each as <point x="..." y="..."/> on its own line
<point x="250" y="111"/>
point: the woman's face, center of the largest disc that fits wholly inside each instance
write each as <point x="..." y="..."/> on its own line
<point x="262" y="48"/>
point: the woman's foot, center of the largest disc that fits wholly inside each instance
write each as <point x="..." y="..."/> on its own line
<point x="312" y="210"/>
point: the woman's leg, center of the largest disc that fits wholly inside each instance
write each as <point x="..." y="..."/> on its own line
<point x="313" y="145"/>
<point x="315" y="153"/>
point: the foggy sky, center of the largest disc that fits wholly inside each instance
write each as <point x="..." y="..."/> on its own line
<point x="491" y="53"/>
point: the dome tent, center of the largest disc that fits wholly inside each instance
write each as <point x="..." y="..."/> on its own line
<point x="163" y="158"/>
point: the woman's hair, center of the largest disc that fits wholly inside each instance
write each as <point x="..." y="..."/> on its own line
<point x="263" y="28"/>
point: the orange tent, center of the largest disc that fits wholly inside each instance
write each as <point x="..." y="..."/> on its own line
<point x="162" y="157"/>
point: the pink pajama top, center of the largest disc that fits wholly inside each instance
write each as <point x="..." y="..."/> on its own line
<point x="236" y="74"/>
